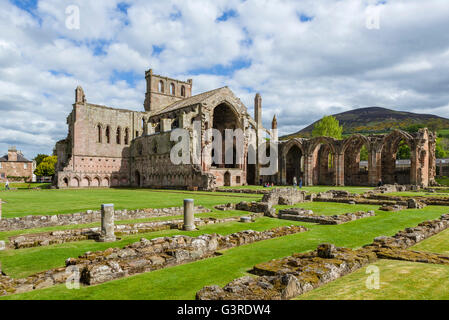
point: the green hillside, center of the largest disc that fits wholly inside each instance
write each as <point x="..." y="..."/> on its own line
<point x="376" y="120"/>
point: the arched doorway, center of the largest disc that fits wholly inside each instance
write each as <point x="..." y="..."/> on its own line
<point x="224" y="118"/>
<point x="356" y="161"/>
<point x="227" y="179"/>
<point x="396" y="158"/>
<point x="323" y="161"/>
<point x="294" y="164"/>
<point x="137" y="178"/>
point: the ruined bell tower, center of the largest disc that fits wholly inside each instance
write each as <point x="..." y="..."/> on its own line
<point x="163" y="91"/>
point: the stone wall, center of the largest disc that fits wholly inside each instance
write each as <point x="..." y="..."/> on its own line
<point x="90" y="216"/>
<point x="143" y="256"/>
<point x="298" y="214"/>
<point x="289" y="277"/>
<point x="159" y="253"/>
<point x="292" y="276"/>
<point x="63" y="236"/>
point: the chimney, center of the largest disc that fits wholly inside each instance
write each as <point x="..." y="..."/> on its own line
<point x="258" y="109"/>
<point x="12" y="154"/>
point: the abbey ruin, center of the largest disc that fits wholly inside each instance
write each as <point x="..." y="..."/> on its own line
<point x="108" y="147"/>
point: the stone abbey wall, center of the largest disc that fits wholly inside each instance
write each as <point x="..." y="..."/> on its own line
<point x="327" y="161"/>
<point x="107" y="147"/>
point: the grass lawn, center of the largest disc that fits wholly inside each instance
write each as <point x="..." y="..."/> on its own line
<point x="24" y="185"/>
<point x="315" y="189"/>
<point x="182" y="282"/>
<point x="399" y="280"/>
<point x="418" y="194"/>
<point x="4" y="235"/>
<point x="438" y="243"/>
<point x="36" y="202"/>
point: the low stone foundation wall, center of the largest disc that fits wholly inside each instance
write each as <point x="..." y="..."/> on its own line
<point x="303" y="215"/>
<point x="410" y="236"/>
<point x="250" y="191"/>
<point x="292" y="276"/>
<point x="159" y="253"/>
<point x="90" y="216"/>
<point x="63" y="236"/>
<point x="143" y="256"/>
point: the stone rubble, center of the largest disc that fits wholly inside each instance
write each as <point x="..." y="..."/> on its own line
<point x="303" y="215"/>
<point x="160" y="253"/>
<point x="63" y="236"/>
<point x="143" y="256"/>
<point x="292" y="276"/>
<point x="90" y="216"/>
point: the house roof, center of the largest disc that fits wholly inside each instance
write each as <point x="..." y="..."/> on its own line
<point x="20" y="158"/>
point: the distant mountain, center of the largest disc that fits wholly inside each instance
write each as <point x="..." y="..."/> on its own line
<point x="378" y="120"/>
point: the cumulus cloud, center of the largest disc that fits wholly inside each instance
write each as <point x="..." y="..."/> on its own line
<point x="307" y="58"/>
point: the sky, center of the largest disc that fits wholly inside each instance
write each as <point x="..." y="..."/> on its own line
<point x="307" y="58"/>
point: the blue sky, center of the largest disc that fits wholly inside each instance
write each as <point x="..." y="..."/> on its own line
<point x="307" y="58"/>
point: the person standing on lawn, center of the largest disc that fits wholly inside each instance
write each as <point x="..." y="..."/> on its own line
<point x="7" y="185"/>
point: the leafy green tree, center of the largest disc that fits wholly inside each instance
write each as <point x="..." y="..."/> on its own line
<point x="403" y="151"/>
<point x="47" y="167"/>
<point x="39" y="158"/>
<point x="441" y="151"/>
<point x="328" y="127"/>
<point x="364" y="154"/>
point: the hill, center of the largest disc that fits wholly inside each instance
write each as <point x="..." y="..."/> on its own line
<point x="379" y="120"/>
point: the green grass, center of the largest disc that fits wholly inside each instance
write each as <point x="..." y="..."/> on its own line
<point x="4" y="235"/>
<point x="439" y="243"/>
<point x="24" y="185"/>
<point x="182" y="282"/>
<point x="444" y="181"/>
<point x="25" y="262"/>
<point x="37" y="202"/>
<point x="399" y="280"/>
<point x="315" y="189"/>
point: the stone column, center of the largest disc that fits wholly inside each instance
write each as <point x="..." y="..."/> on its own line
<point x="107" y="223"/>
<point x="189" y="219"/>
<point x="374" y="167"/>
<point x="339" y="162"/>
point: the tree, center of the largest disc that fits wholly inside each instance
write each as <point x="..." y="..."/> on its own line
<point x="364" y="153"/>
<point x="440" y="150"/>
<point x="39" y="158"/>
<point x="403" y="151"/>
<point x="328" y="127"/>
<point x="47" y="167"/>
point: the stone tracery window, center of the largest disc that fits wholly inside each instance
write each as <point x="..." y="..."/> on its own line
<point x="183" y="91"/>
<point x="172" y="89"/>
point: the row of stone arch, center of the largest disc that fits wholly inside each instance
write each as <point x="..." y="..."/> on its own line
<point x="107" y="136"/>
<point x="85" y="181"/>
<point x="172" y="87"/>
<point x="176" y="180"/>
<point x="327" y="161"/>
